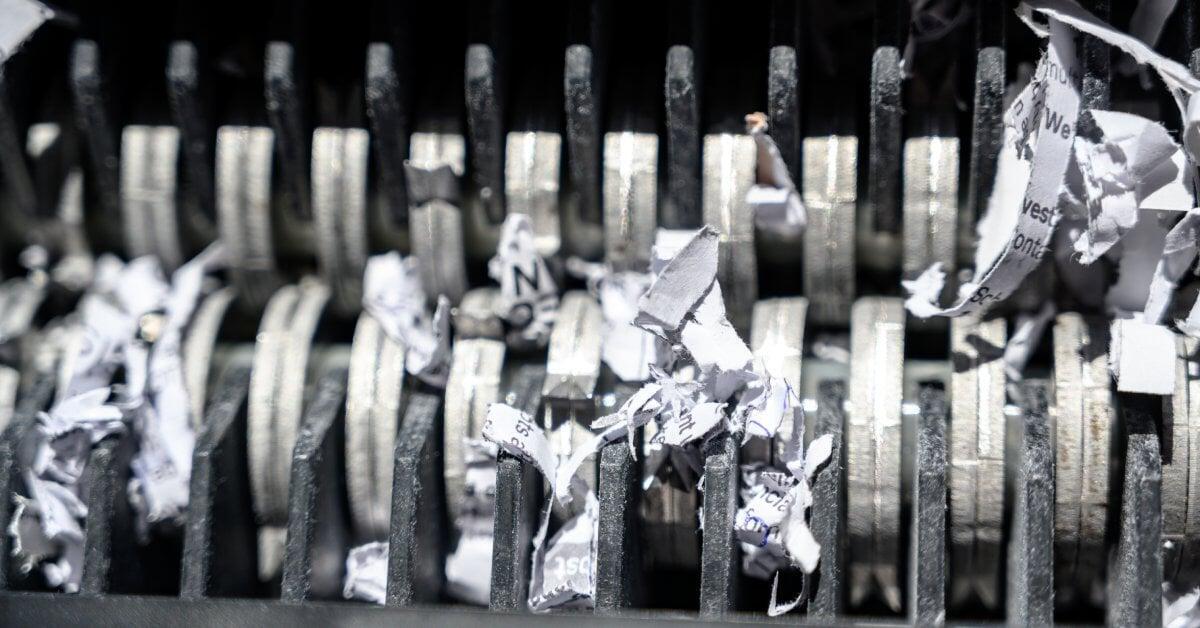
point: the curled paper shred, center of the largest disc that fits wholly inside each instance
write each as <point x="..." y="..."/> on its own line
<point x="394" y="297"/>
<point x="162" y="466"/>
<point x="1135" y="166"/>
<point x="366" y="573"/>
<point x="772" y="525"/>
<point x="776" y="204"/>
<point x="1177" y="78"/>
<point x="1014" y="234"/>
<point x="564" y="574"/>
<point x="528" y="300"/>
<point x="563" y="571"/>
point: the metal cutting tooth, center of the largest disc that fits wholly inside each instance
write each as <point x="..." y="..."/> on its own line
<point x="277" y="390"/>
<point x="374" y="396"/>
<point x="777" y="341"/>
<point x="476" y="316"/>
<point x="149" y="157"/>
<point x="531" y="183"/>
<point x="572" y="369"/>
<point x="260" y="418"/>
<point x="873" y="439"/>
<point x="630" y="199"/>
<point x="830" y="196"/>
<point x="1180" y="485"/>
<point x="385" y="423"/>
<point x="573" y="357"/>
<point x="198" y="346"/>
<point x="473" y="384"/>
<point x="360" y="396"/>
<point x="339" y="203"/>
<point x="243" y="184"/>
<point x="930" y="204"/>
<point x="977" y="439"/>
<point x="1083" y="416"/>
<point x="729" y="162"/>
<point x="291" y="379"/>
<point x="435" y="220"/>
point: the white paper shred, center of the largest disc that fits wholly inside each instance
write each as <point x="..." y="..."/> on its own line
<point x="772" y="525"/>
<point x="1141" y="357"/>
<point x="1014" y="234"/>
<point x="366" y="573"/>
<point x="626" y="349"/>
<point x="133" y="318"/>
<point x="1180" y="610"/>
<point x="711" y="388"/>
<point x="565" y="576"/>
<point x="528" y="300"/>
<point x="1177" y="78"/>
<point x="563" y="571"/>
<point x="162" y="466"/>
<point x="515" y="432"/>
<point x="1178" y="253"/>
<point x="19" y="19"/>
<point x="681" y="284"/>
<point x="776" y="204"/>
<point x="394" y="296"/>
<point x="1136" y="257"/>
<point x="1134" y="161"/>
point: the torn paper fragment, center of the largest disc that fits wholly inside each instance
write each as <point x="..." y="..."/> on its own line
<point x="1142" y="357"/>
<point x="1180" y="82"/>
<point x="819" y="451"/>
<point x="515" y="432"/>
<point x="528" y="300"/>
<point x="1135" y="160"/>
<point x="366" y="573"/>
<point x="627" y="350"/>
<point x="1178" y="253"/>
<point x="18" y="21"/>
<point x="162" y="466"/>
<point x="692" y="425"/>
<point x="1180" y="610"/>
<point x="1177" y="78"/>
<point x="1043" y="118"/>
<point x="683" y="282"/>
<point x="394" y="296"/>
<point x="710" y="339"/>
<point x="774" y="200"/>
<point x="776" y="608"/>
<point x="1191" y="126"/>
<point x="568" y="570"/>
